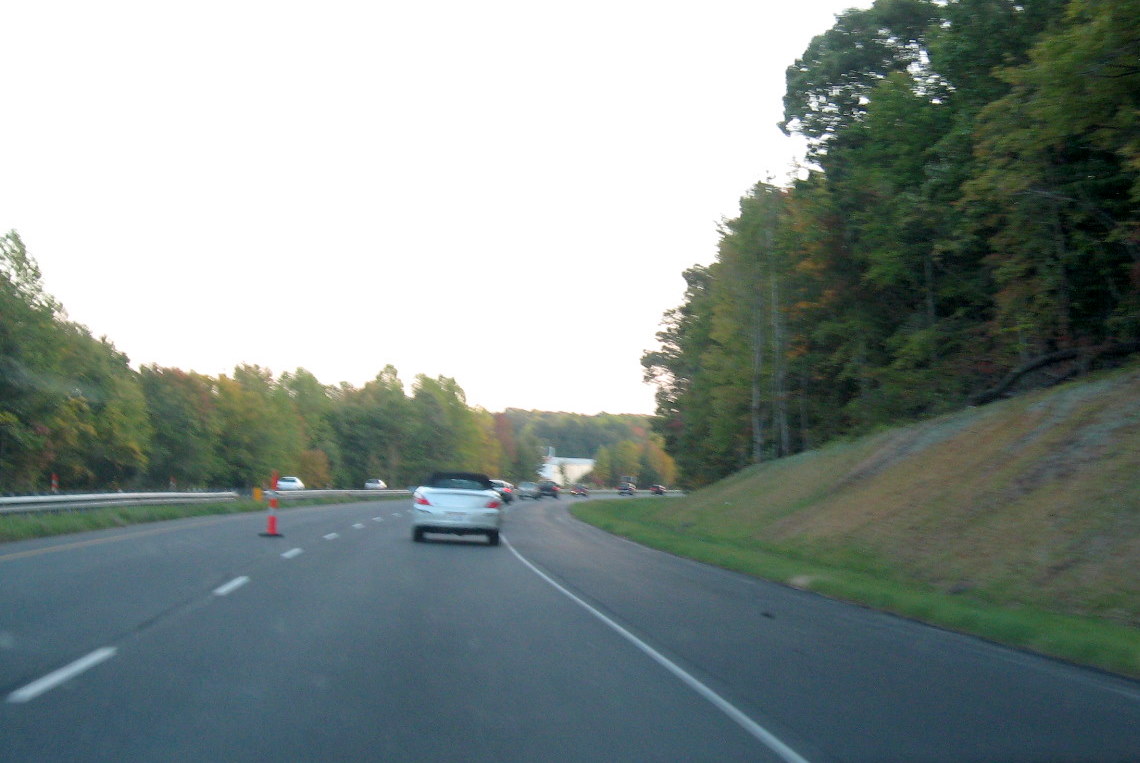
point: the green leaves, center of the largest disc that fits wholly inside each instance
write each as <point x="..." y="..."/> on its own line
<point x="68" y="403"/>
<point x="828" y="87"/>
<point x="1058" y="179"/>
<point x="71" y="405"/>
<point x="184" y="416"/>
<point x="973" y="204"/>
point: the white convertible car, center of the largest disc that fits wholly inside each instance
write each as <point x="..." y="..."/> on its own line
<point x="457" y="503"/>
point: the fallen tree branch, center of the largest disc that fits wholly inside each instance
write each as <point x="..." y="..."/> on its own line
<point x="1087" y="357"/>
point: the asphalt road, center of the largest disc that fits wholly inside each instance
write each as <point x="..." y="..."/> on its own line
<point x="202" y="640"/>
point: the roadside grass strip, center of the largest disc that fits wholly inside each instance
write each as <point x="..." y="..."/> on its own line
<point x="14" y="527"/>
<point x="1090" y="641"/>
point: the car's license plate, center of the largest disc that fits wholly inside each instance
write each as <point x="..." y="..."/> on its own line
<point x="457" y="515"/>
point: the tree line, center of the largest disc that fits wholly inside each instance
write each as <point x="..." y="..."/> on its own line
<point x="620" y="444"/>
<point x="969" y="208"/>
<point x="72" y="406"/>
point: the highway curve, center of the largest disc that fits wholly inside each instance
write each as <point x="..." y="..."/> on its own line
<point x="202" y="640"/>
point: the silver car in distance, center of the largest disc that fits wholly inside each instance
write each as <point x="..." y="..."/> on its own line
<point x="457" y="503"/>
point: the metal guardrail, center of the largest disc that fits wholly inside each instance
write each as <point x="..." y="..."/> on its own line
<point x="284" y="495"/>
<point x="27" y="504"/>
<point x="609" y="492"/>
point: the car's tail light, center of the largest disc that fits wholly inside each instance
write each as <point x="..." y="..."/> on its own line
<point x="421" y="501"/>
<point x="493" y="504"/>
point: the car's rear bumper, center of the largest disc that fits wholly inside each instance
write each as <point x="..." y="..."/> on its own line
<point x="472" y="523"/>
<point x="449" y="530"/>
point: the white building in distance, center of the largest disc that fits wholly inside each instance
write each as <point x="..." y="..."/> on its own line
<point x="564" y="471"/>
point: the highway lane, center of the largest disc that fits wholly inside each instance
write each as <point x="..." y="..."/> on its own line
<point x="362" y="645"/>
<point x="346" y="640"/>
<point x="844" y="682"/>
<point x="61" y="593"/>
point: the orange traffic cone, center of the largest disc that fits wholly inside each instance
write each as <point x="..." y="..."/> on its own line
<point x="271" y="521"/>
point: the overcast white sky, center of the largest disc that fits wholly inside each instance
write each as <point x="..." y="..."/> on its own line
<point x="484" y="190"/>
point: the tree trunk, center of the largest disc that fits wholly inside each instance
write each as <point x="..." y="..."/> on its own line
<point x="779" y="391"/>
<point x="757" y="369"/>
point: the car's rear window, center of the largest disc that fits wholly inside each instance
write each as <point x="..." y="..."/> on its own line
<point x="461" y="484"/>
<point x="460" y="481"/>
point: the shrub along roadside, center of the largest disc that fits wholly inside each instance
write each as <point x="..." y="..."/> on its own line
<point x="1084" y="640"/>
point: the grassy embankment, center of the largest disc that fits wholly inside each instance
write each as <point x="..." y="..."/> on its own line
<point x="1018" y="522"/>
<point x="43" y="524"/>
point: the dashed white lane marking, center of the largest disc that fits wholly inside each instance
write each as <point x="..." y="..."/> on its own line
<point x="292" y="553"/>
<point x="230" y="587"/>
<point x="760" y="733"/>
<point x="67" y="672"/>
<point x="332" y="536"/>
<point x="377" y="519"/>
<point x="396" y="514"/>
<point x="358" y="526"/>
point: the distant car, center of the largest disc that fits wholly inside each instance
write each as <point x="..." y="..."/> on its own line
<point x="457" y="503"/>
<point x="627" y="488"/>
<point x="290" y="483"/>
<point x="375" y="485"/>
<point x="580" y="490"/>
<point x="528" y="490"/>
<point x="504" y="489"/>
<point x="657" y="489"/>
<point x="549" y="487"/>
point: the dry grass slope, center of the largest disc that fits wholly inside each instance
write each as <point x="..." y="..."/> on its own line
<point x="1033" y="501"/>
<point x="1021" y="518"/>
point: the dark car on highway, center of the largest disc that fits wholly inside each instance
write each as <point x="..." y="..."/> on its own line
<point x="505" y="489"/>
<point x="549" y="487"/>
<point x="527" y="490"/>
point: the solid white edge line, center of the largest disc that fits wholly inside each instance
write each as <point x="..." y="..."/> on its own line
<point x="752" y="727"/>
<point x="292" y="553"/>
<point x="230" y="587"/>
<point x="67" y="672"/>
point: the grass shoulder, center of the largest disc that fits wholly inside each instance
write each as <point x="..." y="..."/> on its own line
<point x="1017" y="522"/>
<point x="15" y="527"/>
